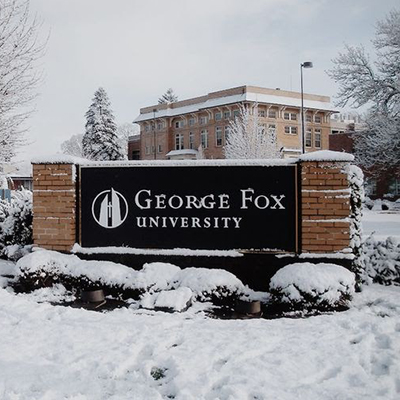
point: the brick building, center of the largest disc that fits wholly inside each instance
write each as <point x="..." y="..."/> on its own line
<point x="343" y="131"/>
<point x="178" y="130"/>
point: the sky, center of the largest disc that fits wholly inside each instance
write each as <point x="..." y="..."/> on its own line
<point x="138" y="49"/>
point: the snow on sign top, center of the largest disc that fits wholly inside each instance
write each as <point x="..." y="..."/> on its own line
<point x="58" y="159"/>
<point x="326" y="155"/>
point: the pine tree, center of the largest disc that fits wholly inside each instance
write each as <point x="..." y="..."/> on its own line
<point x="168" y="97"/>
<point x="100" y="141"/>
<point x="249" y="139"/>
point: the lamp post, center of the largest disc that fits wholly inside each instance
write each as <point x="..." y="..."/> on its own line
<point x="154" y="133"/>
<point x="306" y="64"/>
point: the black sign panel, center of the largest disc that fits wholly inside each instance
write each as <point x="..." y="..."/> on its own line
<point x="196" y="207"/>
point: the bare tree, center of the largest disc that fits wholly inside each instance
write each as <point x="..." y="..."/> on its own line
<point x="124" y="132"/>
<point x="20" y="49"/>
<point x="248" y="138"/>
<point x="73" y="146"/>
<point x="362" y="82"/>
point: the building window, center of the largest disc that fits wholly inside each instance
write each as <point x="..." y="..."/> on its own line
<point x="135" y="155"/>
<point x="159" y="148"/>
<point x="308" y="118"/>
<point x="317" y="138"/>
<point x="291" y="130"/>
<point x="290" y="116"/>
<point x="146" y="128"/>
<point x="317" y="119"/>
<point x="204" y="139"/>
<point x="272" y="128"/>
<point x="191" y="140"/>
<point x="261" y="113"/>
<point x="147" y="150"/>
<point x="218" y="116"/>
<point x="271" y="113"/>
<point x="179" y="141"/>
<point x="308" y="138"/>
<point x="191" y="121"/>
<point x="179" y="124"/>
<point x="394" y="186"/>
<point x="227" y="114"/>
<point x="227" y="130"/>
<point x="261" y="130"/>
<point x="218" y="136"/>
<point x="203" y="120"/>
<point x="160" y="125"/>
<point x="153" y="149"/>
<point x="236" y="113"/>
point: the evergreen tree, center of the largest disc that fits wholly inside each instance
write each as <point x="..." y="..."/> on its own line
<point x="100" y="141"/>
<point x="168" y="97"/>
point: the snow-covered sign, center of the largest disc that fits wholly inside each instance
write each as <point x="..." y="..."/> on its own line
<point x="212" y="207"/>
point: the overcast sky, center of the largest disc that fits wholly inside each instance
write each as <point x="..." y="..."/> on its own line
<point x="136" y="49"/>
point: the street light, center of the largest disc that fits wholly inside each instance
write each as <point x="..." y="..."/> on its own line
<point x="306" y="64"/>
<point x="154" y="133"/>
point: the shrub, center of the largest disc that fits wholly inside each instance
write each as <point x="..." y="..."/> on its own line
<point x="16" y="221"/>
<point x="312" y="287"/>
<point x="382" y="260"/>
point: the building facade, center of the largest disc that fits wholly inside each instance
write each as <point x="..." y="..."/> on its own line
<point x="198" y="127"/>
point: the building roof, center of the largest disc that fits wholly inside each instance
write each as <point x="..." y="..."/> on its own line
<point x="232" y="96"/>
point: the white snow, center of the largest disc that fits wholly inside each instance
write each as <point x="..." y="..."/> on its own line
<point x="329" y="281"/>
<point x="52" y="352"/>
<point x="326" y="155"/>
<point x="173" y="300"/>
<point x="58" y="159"/>
<point x="239" y="98"/>
<point x="152" y="277"/>
<point x="77" y="249"/>
<point x="381" y="223"/>
<point x="202" y="280"/>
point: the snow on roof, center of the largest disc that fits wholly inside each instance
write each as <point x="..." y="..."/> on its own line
<point x="326" y="155"/>
<point x="248" y="96"/>
<point x="182" y="152"/>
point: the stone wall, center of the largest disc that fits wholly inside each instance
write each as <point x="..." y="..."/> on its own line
<point x="54" y="206"/>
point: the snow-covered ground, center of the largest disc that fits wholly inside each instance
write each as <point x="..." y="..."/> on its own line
<point x="382" y="223"/>
<point x="52" y="352"/>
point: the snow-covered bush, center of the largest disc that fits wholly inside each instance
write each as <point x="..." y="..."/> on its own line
<point x="311" y="287"/>
<point x="16" y="221"/>
<point x="356" y="182"/>
<point x="382" y="260"/>
<point x="45" y="268"/>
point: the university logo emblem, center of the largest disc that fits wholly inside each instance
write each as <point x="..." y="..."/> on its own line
<point x="109" y="209"/>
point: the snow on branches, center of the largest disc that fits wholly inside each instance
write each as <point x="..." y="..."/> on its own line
<point x="168" y="97"/>
<point x="362" y="82"/>
<point x="100" y="141"/>
<point x="249" y="139"/>
<point x="20" y="50"/>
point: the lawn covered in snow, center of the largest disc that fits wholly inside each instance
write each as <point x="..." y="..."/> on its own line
<point x="54" y="352"/>
<point x="381" y="224"/>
